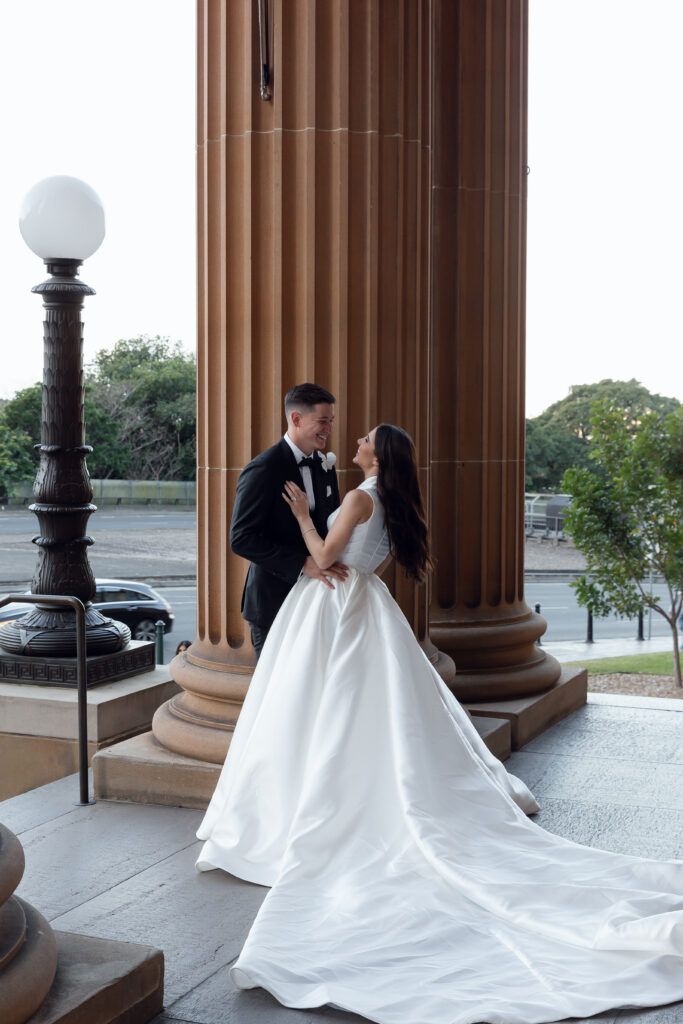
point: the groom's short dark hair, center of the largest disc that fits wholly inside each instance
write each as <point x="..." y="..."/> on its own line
<point x="303" y="397"/>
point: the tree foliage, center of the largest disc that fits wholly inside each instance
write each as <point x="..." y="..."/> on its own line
<point x="16" y="464"/>
<point x="561" y="436"/>
<point x="550" y="451"/>
<point x="627" y="514"/>
<point x="147" y="388"/>
<point x="140" y="415"/>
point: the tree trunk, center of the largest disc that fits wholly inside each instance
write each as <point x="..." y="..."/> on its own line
<point x="677" y="654"/>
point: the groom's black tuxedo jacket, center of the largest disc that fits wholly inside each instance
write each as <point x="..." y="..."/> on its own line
<point x="264" y="530"/>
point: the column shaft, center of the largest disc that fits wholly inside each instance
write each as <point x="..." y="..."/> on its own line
<point x="478" y="613"/>
<point x="314" y="255"/>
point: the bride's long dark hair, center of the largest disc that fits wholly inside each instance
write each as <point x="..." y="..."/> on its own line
<point x="399" y="489"/>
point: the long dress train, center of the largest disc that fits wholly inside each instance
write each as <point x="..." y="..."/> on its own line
<point x="408" y="883"/>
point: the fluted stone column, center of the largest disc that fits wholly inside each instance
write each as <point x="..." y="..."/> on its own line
<point x="478" y="613"/>
<point x="314" y="256"/>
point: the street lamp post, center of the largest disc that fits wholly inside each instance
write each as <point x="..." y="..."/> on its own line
<point x="62" y="221"/>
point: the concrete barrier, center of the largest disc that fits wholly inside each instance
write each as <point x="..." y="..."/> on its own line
<point x="126" y="492"/>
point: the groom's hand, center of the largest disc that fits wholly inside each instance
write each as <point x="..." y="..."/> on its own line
<point x="337" y="570"/>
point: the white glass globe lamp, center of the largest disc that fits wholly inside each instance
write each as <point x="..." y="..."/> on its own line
<point x="62" y="218"/>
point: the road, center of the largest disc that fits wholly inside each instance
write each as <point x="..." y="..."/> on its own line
<point x="17" y="521"/>
<point x="156" y="543"/>
<point x="567" y="621"/>
<point x="150" y="543"/>
<point x="183" y="601"/>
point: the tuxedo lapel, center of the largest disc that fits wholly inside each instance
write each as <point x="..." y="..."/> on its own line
<point x="316" y="475"/>
<point x="290" y="467"/>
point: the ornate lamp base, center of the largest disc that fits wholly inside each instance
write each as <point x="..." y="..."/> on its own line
<point x="43" y="633"/>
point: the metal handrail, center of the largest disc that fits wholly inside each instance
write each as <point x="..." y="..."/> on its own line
<point x="81" y="674"/>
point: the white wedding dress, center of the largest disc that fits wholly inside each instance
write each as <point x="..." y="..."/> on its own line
<point x="408" y="884"/>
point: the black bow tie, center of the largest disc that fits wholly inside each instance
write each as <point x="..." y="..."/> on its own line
<point x="308" y="461"/>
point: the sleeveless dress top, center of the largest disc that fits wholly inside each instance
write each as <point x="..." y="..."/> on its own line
<point x="368" y="545"/>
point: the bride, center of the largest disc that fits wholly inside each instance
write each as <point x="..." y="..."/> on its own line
<point x="407" y="883"/>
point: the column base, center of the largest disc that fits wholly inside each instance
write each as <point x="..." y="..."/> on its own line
<point x="29" y="971"/>
<point x="444" y="665"/>
<point x="204" y="737"/>
<point x="199" y="722"/>
<point x="497" y="660"/>
<point x="532" y="715"/>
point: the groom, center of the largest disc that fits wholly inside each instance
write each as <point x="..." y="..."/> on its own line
<point x="264" y="530"/>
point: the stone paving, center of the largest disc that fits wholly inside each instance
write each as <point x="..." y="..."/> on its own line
<point x="551" y="556"/>
<point x="611" y="776"/>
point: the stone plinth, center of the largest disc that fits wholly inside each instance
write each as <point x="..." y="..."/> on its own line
<point x="99" y="981"/>
<point x="137" y="657"/>
<point x="531" y="715"/>
<point x="141" y="770"/>
<point x="39" y="737"/>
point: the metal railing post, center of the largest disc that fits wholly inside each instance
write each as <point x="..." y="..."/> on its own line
<point x="160" y="629"/>
<point x="537" y="609"/>
<point x="81" y="674"/>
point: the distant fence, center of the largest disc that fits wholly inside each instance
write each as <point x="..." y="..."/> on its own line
<point x="544" y="515"/>
<point x="126" y="492"/>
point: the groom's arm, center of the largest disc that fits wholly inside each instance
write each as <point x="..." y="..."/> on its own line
<point x="250" y="529"/>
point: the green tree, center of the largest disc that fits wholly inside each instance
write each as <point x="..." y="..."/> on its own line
<point x="550" y="451"/>
<point x="16" y="464"/>
<point x="147" y="386"/>
<point x="140" y="415"/>
<point x="627" y="514"/>
<point x="575" y="411"/>
<point x="560" y="437"/>
<point x="109" y="459"/>
<point x="22" y="413"/>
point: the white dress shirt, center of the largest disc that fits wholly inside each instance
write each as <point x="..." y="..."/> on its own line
<point x="305" y="471"/>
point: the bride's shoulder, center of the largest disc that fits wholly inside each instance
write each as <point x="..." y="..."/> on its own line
<point x="357" y="496"/>
<point x="358" y="501"/>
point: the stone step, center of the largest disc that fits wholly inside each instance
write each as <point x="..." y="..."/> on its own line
<point x="101" y="981"/>
<point x="530" y="716"/>
<point x="496" y="734"/>
<point x="140" y="770"/>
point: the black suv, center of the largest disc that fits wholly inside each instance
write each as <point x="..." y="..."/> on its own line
<point x="136" y="604"/>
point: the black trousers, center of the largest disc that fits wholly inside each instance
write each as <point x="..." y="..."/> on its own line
<point x="258" y="638"/>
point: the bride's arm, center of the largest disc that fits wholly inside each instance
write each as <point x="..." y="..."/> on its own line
<point x="355" y="508"/>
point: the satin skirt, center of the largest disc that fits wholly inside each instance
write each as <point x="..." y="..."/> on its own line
<point x="407" y="883"/>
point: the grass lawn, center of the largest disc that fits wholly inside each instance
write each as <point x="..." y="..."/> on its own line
<point x="659" y="664"/>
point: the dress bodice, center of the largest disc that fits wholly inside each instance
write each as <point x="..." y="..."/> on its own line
<point x="368" y="545"/>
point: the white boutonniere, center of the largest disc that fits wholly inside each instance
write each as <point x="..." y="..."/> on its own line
<point x="327" y="461"/>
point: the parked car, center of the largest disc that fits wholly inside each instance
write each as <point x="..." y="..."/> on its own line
<point x="136" y="604"/>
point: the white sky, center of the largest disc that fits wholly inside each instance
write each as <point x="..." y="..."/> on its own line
<point x="605" y="219"/>
<point x="106" y="92"/>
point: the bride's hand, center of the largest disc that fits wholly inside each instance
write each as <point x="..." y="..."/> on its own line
<point x="296" y="499"/>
